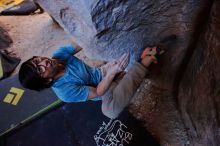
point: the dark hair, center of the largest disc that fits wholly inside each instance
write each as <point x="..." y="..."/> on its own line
<point x="29" y="77"/>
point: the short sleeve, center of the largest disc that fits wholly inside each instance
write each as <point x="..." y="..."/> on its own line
<point x="64" y="52"/>
<point x="73" y="93"/>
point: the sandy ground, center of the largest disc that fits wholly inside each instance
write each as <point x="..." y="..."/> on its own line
<point x="37" y="35"/>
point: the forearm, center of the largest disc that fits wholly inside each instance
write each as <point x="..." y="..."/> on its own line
<point x="77" y="48"/>
<point x="104" y="84"/>
<point x="101" y="88"/>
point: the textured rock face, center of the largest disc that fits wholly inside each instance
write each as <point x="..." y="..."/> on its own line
<point x="199" y="91"/>
<point x="179" y="102"/>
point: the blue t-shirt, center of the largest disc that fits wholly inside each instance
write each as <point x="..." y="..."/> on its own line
<point x="73" y="85"/>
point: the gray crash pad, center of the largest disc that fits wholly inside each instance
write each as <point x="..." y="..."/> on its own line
<point x="18" y="105"/>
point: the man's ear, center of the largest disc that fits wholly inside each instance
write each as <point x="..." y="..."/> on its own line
<point x="49" y="80"/>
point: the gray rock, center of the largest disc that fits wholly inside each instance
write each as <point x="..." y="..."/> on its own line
<point x="179" y="102"/>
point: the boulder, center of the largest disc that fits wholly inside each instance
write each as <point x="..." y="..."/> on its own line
<point x="178" y="101"/>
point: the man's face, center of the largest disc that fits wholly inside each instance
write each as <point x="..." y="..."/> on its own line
<point x="45" y="67"/>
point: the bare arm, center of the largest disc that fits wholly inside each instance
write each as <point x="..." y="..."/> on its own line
<point x="107" y="80"/>
<point x="77" y="48"/>
<point x="101" y="88"/>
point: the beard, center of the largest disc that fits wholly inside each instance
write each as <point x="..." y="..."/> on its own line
<point x="57" y="68"/>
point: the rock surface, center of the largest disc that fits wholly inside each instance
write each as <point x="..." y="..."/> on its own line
<point x="179" y="102"/>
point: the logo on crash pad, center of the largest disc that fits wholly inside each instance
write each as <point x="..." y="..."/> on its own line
<point x="113" y="134"/>
<point x="13" y="96"/>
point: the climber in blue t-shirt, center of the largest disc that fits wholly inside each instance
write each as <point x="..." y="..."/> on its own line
<point x="71" y="86"/>
<point x="74" y="81"/>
